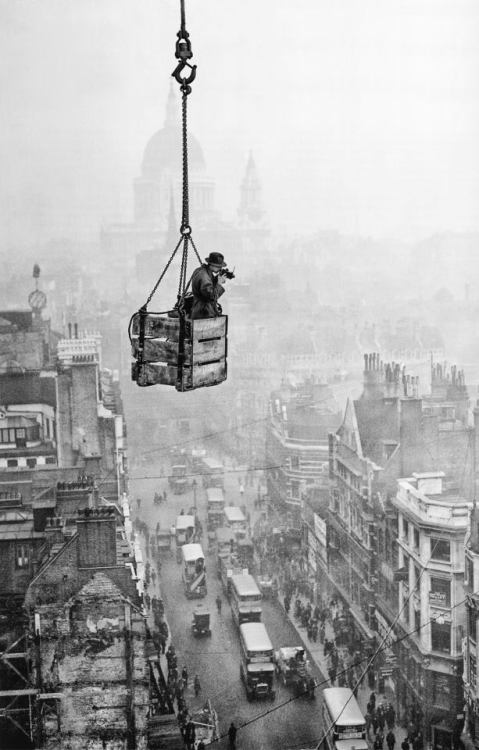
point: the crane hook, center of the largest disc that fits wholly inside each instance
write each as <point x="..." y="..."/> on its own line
<point x="187" y="80"/>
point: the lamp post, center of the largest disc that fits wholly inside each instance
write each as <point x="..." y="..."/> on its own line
<point x="194" y="493"/>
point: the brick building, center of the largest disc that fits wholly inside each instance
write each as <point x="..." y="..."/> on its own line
<point x="89" y="652"/>
<point x="387" y="434"/>
<point x="301" y="418"/>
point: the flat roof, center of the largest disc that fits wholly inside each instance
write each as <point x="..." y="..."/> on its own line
<point x="185" y="522"/>
<point x="192" y="552"/>
<point x="245" y="584"/>
<point x="343" y="706"/>
<point x="233" y="513"/>
<point x="255" y="637"/>
<point x="224" y="535"/>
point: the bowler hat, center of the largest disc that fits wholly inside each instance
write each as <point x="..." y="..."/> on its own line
<point x="216" y="259"/>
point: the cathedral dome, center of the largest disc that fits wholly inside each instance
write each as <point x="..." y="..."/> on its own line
<point x="163" y="150"/>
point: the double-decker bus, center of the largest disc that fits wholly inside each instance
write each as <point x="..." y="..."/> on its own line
<point x="194" y="571"/>
<point x="235" y="520"/>
<point x="245" y="599"/>
<point x="343" y="721"/>
<point x="213" y="473"/>
<point x="215" y="506"/>
<point x="185" y="529"/>
<point x="257" y="655"/>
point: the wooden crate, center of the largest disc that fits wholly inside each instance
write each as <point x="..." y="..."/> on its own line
<point x="205" y="351"/>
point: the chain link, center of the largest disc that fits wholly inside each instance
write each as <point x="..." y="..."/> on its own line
<point x="183" y="53"/>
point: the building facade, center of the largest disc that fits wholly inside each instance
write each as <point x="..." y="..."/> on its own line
<point x="432" y="526"/>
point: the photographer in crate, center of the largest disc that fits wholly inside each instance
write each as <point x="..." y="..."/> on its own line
<point x="207" y="286"/>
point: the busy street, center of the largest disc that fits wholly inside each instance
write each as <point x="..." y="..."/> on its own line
<point x="285" y="722"/>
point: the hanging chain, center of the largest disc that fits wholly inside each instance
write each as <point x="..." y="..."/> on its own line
<point x="183" y="54"/>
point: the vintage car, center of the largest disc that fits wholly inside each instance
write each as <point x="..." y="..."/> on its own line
<point x="292" y="668"/>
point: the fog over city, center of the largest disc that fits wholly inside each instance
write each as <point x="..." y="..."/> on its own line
<point x="304" y="530"/>
<point x="362" y="116"/>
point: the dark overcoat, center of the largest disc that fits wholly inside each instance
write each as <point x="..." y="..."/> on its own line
<point x="206" y="292"/>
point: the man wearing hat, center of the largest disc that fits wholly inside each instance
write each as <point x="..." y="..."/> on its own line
<point x="207" y="286"/>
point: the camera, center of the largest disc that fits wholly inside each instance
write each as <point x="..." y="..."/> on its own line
<point x="229" y="274"/>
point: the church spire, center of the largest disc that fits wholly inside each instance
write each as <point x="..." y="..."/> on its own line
<point x="250" y="207"/>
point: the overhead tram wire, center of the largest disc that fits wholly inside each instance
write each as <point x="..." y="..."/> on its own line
<point x="208" y="474"/>
<point x="369" y="660"/>
<point x="325" y="682"/>
<point x="391" y="627"/>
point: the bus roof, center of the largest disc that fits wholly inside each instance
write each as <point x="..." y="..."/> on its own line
<point x="185" y="522"/>
<point x="192" y="552"/>
<point x="212" y="464"/>
<point x="233" y="513"/>
<point x="255" y="637"/>
<point x="215" y="495"/>
<point x="342" y="706"/>
<point x="245" y="585"/>
<point x="224" y="535"/>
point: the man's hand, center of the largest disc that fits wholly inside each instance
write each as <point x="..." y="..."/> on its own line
<point x="221" y="278"/>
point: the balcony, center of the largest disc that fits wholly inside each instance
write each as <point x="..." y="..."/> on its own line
<point x="449" y="513"/>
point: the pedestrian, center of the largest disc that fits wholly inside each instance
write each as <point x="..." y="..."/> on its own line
<point x="287" y="604"/>
<point x="232" y="731"/>
<point x="190" y="735"/>
<point x="197" y="685"/>
<point x="332" y="675"/>
<point x="322" y="633"/>
<point x="148" y="601"/>
<point x="184" y="676"/>
<point x="390" y="740"/>
<point x="138" y="502"/>
<point x="378" y="742"/>
<point x="405" y="744"/>
<point x="219" y="603"/>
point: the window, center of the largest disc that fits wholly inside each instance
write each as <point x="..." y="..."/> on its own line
<point x="441" y="690"/>
<point x="417" y="620"/>
<point x="21" y="436"/>
<point x="472" y="671"/>
<point x="50" y="460"/>
<point x="440" y="549"/>
<point x="471" y="623"/>
<point x="295" y="462"/>
<point x="12" y="463"/>
<point x="22" y="556"/>
<point x="469" y="573"/>
<point x="440" y="593"/>
<point x="31" y="463"/>
<point x="415" y="538"/>
<point x="417" y="578"/>
<point x="295" y="490"/>
<point x="405" y="529"/>
<point x="441" y="636"/>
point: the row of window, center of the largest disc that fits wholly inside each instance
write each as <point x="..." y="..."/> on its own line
<point x="31" y="463"/>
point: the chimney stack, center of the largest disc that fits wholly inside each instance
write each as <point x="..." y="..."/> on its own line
<point x="96" y="538"/>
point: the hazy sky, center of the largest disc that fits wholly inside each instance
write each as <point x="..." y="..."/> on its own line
<point x="363" y="115"/>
